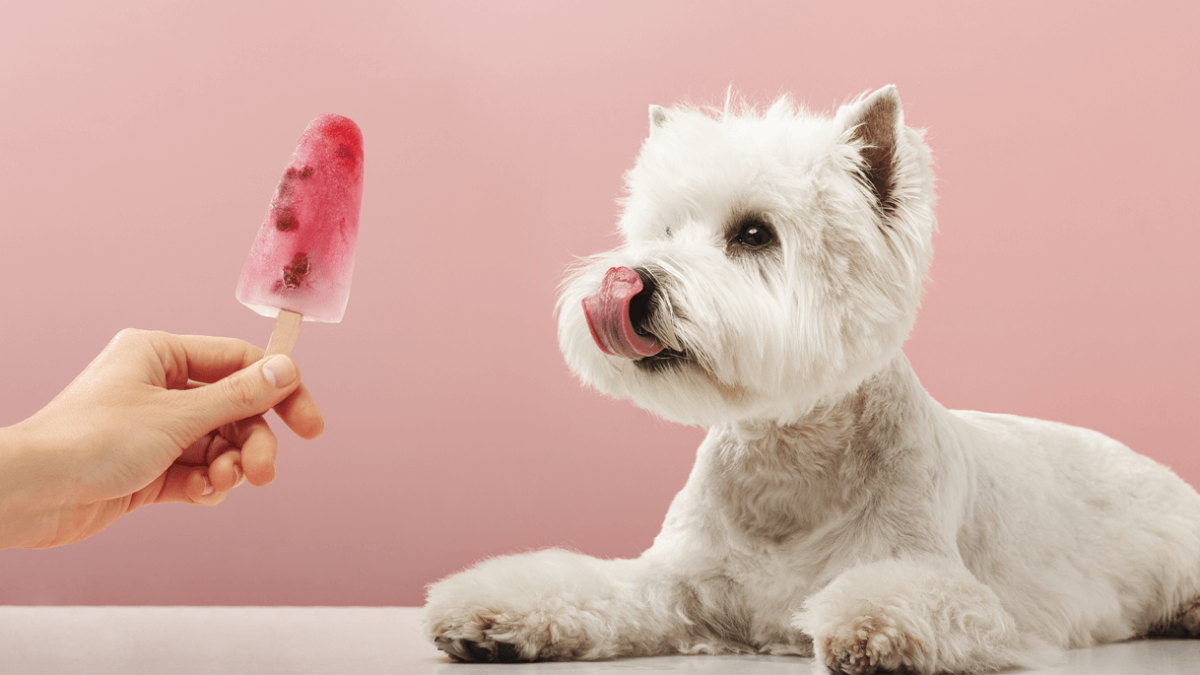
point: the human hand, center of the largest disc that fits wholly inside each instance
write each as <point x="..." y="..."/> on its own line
<point x="155" y="418"/>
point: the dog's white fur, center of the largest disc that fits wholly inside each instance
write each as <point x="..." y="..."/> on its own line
<point x="834" y="506"/>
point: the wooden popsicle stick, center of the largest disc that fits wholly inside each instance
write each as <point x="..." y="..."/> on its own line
<point x="287" y="328"/>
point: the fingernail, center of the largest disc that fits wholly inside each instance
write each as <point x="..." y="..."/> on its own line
<point x="237" y="471"/>
<point x="208" y="487"/>
<point x="280" y="371"/>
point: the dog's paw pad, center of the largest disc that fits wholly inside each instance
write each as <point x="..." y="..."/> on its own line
<point x="477" y="651"/>
<point x="506" y="652"/>
<point x="869" y="646"/>
<point x="485" y="651"/>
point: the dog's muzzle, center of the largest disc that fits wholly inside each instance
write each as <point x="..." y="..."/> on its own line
<point x="614" y="311"/>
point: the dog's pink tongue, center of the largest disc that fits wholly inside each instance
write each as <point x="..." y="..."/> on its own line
<point x="607" y="312"/>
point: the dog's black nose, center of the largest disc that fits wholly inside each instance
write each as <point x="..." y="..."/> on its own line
<point x="639" y="305"/>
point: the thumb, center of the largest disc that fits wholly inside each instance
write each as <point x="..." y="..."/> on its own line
<point x="248" y="392"/>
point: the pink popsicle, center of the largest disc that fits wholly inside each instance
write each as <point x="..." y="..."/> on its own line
<point x="303" y="257"/>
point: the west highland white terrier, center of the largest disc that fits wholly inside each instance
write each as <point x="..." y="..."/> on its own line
<point x="771" y="269"/>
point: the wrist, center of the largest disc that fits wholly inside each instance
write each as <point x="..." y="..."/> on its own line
<point x="28" y="494"/>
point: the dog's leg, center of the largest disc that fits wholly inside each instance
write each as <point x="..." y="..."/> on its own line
<point x="927" y="615"/>
<point x="550" y="605"/>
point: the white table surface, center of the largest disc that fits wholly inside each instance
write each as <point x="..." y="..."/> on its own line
<point x="183" y="640"/>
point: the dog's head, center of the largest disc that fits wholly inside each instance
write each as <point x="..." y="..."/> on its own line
<point x="771" y="260"/>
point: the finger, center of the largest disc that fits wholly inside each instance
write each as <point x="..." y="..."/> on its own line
<point x="225" y="471"/>
<point x="210" y="359"/>
<point x="182" y="358"/>
<point x="197" y="452"/>
<point x="259" y="449"/>
<point x="219" y="446"/>
<point x="189" y="485"/>
<point x="300" y="412"/>
<point x="248" y="392"/>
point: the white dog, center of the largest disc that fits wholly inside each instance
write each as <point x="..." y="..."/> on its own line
<point x="772" y="268"/>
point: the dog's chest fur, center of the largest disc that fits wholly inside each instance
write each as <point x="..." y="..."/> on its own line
<point x="847" y="468"/>
<point x="786" y="508"/>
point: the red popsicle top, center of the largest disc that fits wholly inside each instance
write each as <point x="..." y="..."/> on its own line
<point x="303" y="257"/>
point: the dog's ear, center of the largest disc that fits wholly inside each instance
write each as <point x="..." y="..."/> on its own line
<point x="877" y="123"/>
<point x="658" y="118"/>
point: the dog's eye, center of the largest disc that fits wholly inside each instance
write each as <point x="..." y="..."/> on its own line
<point x="754" y="234"/>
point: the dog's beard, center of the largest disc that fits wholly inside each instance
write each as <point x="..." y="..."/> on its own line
<point x="657" y="318"/>
<point x="736" y="336"/>
<point x="695" y="349"/>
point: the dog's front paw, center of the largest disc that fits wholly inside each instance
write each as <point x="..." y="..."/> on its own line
<point x="481" y="635"/>
<point x="545" y="606"/>
<point x="870" y="645"/>
<point x="927" y="616"/>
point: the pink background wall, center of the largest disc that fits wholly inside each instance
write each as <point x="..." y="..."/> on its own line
<point x="140" y="142"/>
